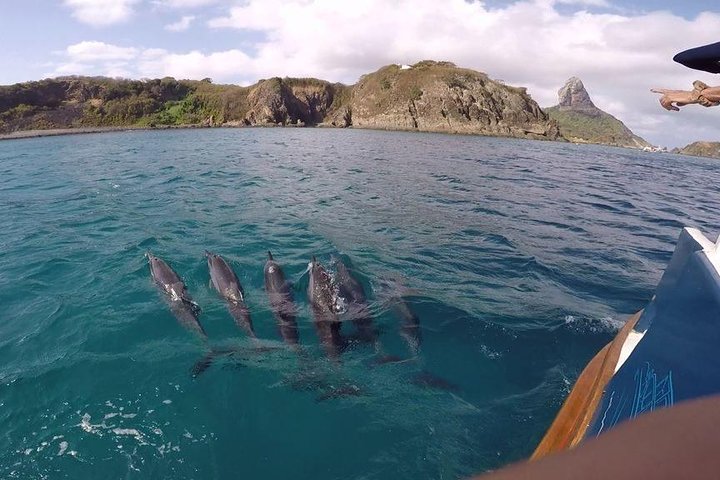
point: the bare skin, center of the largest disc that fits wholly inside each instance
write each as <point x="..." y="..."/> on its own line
<point x="700" y="94"/>
<point x="671" y="443"/>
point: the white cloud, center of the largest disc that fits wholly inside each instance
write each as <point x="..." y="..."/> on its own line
<point x="97" y="58"/>
<point x="229" y="64"/>
<point x="72" y="68"/>
<point x="100" y="13"/>
<point x="529" y="43"/>
<point x="182" y="4"/>
<point x="587" y="3"/>
<point x="92" y="51"/>
<point x="181" y="25"/>
<point x="526" y="43"/>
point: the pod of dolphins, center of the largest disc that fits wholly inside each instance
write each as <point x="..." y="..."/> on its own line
<point x="329" y="297"/>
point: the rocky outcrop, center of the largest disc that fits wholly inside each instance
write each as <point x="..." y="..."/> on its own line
<point x="439" y="97"/>
<point x="291" y="101"/>
<point x="582" y="122"/>
<point x="700" y="149"/>
<point x="573" y="96"/>
<point x="428" y="96"/>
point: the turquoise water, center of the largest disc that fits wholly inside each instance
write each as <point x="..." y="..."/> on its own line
<point x="521" y="259"/>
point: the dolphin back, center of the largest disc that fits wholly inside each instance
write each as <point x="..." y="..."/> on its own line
<point x="185" y="310"/>
<point x="224" y="278"/>
<point x="348" y="286"/>
<point x="321" y="290"/>
<point x="275" y="281"/>
<point x="161" y="272"/>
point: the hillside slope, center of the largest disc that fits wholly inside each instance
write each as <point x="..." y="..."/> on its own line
<point x="429" y="96"/>
<point x="582" y="122"/>
<point x="700" y="149"/>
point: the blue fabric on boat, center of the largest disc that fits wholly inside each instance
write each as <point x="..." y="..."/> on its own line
<point x="678" y="358"/>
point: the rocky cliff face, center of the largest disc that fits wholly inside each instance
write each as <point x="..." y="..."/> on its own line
<point x="700" y="149"/>
<point x="582" y="122"/>
<point x="292" y="101"/>
<point x="429" y="96"/>
<point x="573" y="96"/>
<point x="439" y="97"/>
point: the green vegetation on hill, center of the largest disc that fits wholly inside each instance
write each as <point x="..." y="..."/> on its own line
<point x="700" y="149"/>
<point x="68" y="102"/>
<point x="440" y="97"/>
<point x="86" y="101"/>
<point x="429" y="96"/>
<point x="594" y="126"/>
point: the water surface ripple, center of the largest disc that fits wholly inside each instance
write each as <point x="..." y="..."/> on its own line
<point x="520" y="259"/>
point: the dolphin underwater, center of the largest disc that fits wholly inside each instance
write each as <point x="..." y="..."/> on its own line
<point x="352" y="294"/>
<point x="225" y="281"/>
<point x="281" y="301"/>
<point x="181" y="304"/>
<point x="323" y="300"/>
<point x="409" y="325"/>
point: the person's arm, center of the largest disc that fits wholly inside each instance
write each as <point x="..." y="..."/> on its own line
<point x="672" y="443"/>
<point x="700" y="94"/>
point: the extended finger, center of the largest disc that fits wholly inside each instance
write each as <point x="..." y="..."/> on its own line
<point x="667" y="104"/>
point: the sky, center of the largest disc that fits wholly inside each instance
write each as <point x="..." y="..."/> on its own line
<point x="618" y="48"/>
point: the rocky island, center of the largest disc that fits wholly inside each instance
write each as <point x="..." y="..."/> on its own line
<point x="582" y="122"/>
<point x="700" y="149"/>
<point x="428" y="96"/>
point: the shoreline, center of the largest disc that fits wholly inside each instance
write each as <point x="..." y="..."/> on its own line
<point x="55" y="132"/>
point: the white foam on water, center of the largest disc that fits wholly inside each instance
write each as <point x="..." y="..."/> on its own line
<point x="594" y="325"/>
<point x="63" y="448"/>
<point x="133" y="432"/>
<point x="86" y="425"/>
<point x="489" y="353"/>
<point x="126" y="431"/>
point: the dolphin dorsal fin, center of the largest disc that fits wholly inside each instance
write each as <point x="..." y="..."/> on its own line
<point x="270" y="257"/>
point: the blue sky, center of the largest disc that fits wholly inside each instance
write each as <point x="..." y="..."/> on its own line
<point x="620" y="49"/>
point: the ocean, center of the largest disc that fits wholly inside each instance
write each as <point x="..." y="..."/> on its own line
<point x="520" y="259"/>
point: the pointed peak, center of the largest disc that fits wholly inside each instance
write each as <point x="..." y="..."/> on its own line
<point x="574" y="95"/>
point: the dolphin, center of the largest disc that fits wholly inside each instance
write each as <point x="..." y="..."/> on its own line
<point x="352" y="294"/>
<point x="323" y="300"/>
<point x="181" y="304"/>
<point x="409" y="325"/>
<point x="281" y="301"/>
<point x="225" y="281"/>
